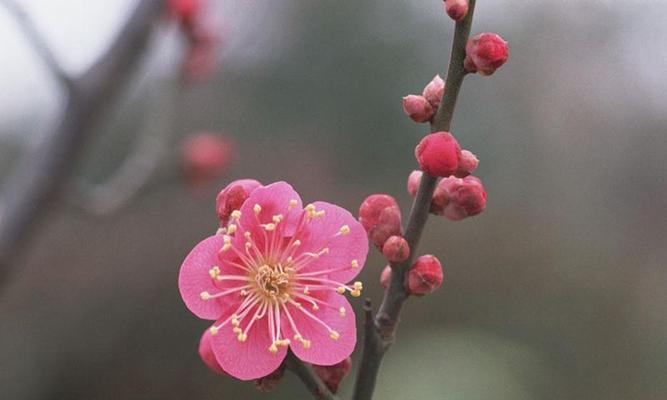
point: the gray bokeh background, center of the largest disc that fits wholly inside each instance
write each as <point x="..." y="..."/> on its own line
<point x="556" y="291"/>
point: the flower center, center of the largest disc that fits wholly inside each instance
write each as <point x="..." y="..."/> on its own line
<point x="272" y="281"/>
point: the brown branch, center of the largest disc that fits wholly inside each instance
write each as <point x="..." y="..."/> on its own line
<point x="379" y="333"/>
<point x="38" y="43"/>
<point x="312" y="382"/>
<point x="39" y="175"/>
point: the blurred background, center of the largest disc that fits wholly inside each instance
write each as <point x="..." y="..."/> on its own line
<point x="556" y="291"/>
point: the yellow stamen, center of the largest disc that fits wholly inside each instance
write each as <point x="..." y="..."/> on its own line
<point x="257" y="209"/>
<point x="344" y="230"/>
<point x="236" y="214"/>
<point x="204" y="295"/>
<point x="214" y="330"/>
<point x="340" y="290"/>
<point x="292" y="204"/>
<point x="334" y="335"/>
<point x="355" y="264"/>
<point x="231" y="229"/>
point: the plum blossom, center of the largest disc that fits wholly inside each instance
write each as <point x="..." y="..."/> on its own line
<point x="275" y="280"/>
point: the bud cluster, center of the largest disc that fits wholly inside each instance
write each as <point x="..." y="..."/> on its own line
<point x="422" y="108"/>
<point x="423" y="277"/>
<point x="203" y="41"/>
<point x="380" y="216"/>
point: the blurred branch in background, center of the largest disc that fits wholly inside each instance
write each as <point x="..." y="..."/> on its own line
<point x="38" y="43"/>
<point x="134" y="172"/>
<point x="39" y="175"/>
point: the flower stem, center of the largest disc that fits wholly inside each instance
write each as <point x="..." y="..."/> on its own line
<point x="305" y="373"/>
<point x="379" y="332"/>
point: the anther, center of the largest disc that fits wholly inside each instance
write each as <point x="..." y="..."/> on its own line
<point x="273" y="348"/>
<point x="231" y="229"/>
<point x="292" y="203"/>
<point x="214" y="330"/>
<point x="342" y="311"/>
<point x="269" y="227"/>
<point x="236" y="214"/>
<point x="204" y="295"/>
<point x="344" y="230"/>
<point x="277" y="218"/>
<point x="257" y="209"/>
<point x="340" y="290"/>
<point x="355" y="264"/>
<point x="334" y="335"/>
<point x="242" y="337"/>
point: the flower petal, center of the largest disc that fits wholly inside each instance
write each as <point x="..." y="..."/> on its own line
<point x="325" y="231"/>
<point x="278" y="198"/>
<point x="250" y="359"/>
<point x="194" y="279"/>
<point x="206" y="353"/>
<point x="323" y="349"/>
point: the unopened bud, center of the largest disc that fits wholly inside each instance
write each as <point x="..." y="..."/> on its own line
<point x="433" y="91"/>
<point x="485" y="53"/>
<point x="456" y="9"/>
<point x="396" y="249"/>
<point x="332" y="375"/>
<point x="205" y="156"/>
<point x="425" y="276"/>
<point x="206" y="354"/>
<point x="438" y="154"/>
<point x="414" y="179"/>
<point x="467" y="164"/>
<point x="463" y="197"/>
<point x="231" y="198"/>
<point x="269" y="382"/>
<point x="385" y="277"/>
<point x="380" y="216"/>
<point x="418" y="108"/>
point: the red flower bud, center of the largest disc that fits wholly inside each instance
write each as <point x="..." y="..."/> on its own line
<point x="185" y="10"/>
<point x="205" y="156"/>
<point x="332" y="375"/>
<point x="456" y="9"/>
<point x="396" y="249"/>
<point x="433" y="91"/>
<point x="438" y="154"/>
<point x="206" y="354"/>
<point x="380" y="216"/>
<point x="457" y="198"/>
<point x="418" y="108"/>
<point x="385" y="277"/>
<point x="231" y="198"/>
<point x="269" y="382"/>
<point x="414" y="179"/>
<point x="425" y="276"/>
<point x="467" y="164"/>
<point x="485" y="53"/>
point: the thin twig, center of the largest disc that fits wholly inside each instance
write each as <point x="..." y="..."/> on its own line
<point x="312" y="382"/>
<point x="38" y="43"/>
<point x="380" y="333"/>
<point x="39" y="175"/>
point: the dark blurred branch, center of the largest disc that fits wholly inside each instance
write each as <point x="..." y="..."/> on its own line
<point x="313" y="382"/>
<point x="38" y="43"/>
<point x="39" y="175"/>
<point x="379" y="332"/>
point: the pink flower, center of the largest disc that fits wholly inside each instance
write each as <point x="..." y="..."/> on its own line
<point x="206" y="354"/>
<point x="276" y="280"/>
